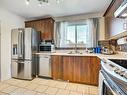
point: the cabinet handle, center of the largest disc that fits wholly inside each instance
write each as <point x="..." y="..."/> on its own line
<point x="46" y="57"/>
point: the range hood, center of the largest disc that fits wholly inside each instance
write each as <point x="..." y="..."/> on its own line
<point x="122" y="10"/>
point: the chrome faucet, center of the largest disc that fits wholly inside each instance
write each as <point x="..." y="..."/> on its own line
<point x="76" y="50"/>
<point x="76" y="42"/>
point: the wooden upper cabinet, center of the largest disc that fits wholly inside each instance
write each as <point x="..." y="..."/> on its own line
<point x="48" y="29"/>
<point x="45" y="26"/>
<point x="113" y="26"/>
<point x="112" y="8"/>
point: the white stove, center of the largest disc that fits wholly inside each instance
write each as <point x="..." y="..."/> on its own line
<point x="115" y="68"/>
<point x="114" y="72"/>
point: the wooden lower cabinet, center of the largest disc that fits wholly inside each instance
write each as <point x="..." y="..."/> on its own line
<point x="85" y="68"/>
<point x="68" y="68"/>
<point x="79" y="69"/>
<point x="95" y="67"/>
<point x="57" y="67"/>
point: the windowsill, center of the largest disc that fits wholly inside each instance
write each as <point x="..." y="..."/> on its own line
<point x="69" y="48"/>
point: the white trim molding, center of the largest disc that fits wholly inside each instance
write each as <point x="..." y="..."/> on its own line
<point x="78" y="17"/>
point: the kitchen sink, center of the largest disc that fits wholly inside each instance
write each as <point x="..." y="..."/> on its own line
<point x="74" y="52"/>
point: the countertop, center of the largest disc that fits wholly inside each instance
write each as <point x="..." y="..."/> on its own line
<point x="120" y="55"/>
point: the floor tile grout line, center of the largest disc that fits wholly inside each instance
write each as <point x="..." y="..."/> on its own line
<point x="15" y="85"/>
<point x="57" y="91"/>
<point x="52" y="87"/>
<point x="5" y="93"/>
<point x="64" y="88"/>
<point x="69" y="92"/>
<point x="15" y="89"/>
<point x="44" y="90"/>
<point x="4" y="88"/>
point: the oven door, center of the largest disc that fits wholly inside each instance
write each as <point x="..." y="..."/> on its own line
<point x="45" y="48"/>
<point x="104" y="87"/>
<point x="107" y="90"/>
<point x="107" y="86"/>
<point x="101" y="80"/>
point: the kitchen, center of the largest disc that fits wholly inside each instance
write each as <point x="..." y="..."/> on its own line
<point x="51" y="48"/>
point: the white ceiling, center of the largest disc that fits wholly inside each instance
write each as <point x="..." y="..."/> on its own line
<point x="67" y="7"/>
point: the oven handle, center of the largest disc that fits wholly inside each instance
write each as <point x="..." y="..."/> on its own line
<point x="115" y="92"/>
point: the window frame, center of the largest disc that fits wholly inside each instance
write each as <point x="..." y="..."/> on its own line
<point x="76" y="35"/>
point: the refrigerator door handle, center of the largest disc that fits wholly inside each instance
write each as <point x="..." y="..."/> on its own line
<point x="20" y="44"/>
<point x="19" y="47"/>
<point x="19" y="62"/>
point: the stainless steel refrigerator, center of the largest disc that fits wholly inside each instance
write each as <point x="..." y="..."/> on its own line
<point x="24" y="48"/>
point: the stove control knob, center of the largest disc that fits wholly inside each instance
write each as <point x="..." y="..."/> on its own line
<point x="122" y="73"/>
<point x="117" y="70"/>
<point x="104" y="60"/>
<point x="125" y="75"/>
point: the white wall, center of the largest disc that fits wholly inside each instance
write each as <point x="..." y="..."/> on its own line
<point x="102" y="28"/>
<point x="8" y="22"/>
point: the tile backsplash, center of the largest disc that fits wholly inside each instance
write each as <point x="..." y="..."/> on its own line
<point x="122" y="48"/>
<point x="108" y="43"/>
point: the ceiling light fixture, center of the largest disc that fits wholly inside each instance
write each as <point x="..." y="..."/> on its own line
<point x="27" y="2"/>
<point x="43" y="1"/>
<point x="57" y="1"/>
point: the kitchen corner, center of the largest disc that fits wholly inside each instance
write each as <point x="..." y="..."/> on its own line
<point x="60" y="47"/>
<point x="119" y="55"/>
<point x="62" y="62"/>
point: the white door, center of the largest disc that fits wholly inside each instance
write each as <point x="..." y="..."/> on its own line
<point x="0" y="50"/>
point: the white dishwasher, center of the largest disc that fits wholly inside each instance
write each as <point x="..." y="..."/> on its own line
<point x="45" y="65"/>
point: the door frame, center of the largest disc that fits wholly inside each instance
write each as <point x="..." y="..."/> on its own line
<point x="0" y="47"/>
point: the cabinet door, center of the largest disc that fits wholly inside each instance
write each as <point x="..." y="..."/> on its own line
<point x="77" y="68"/>
<point x="95" y="67"/>
<point x="45" y="26"/>
<point x="37" y="25"/>
<point x="27" y="24"/>
<point x="57" y="67"/>
<point x="85" y="70"/>
<point x="68" y="68"/>
<point x="48" y="29"/>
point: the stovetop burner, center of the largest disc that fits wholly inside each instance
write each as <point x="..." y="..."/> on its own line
<point x="120" y="62"/>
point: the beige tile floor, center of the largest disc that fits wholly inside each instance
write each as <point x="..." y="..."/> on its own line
<point x="40" y="86"/>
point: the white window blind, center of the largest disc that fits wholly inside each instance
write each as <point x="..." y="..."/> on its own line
<point x="82" y="33"/>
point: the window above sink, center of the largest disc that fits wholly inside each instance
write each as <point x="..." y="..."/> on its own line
<point x="77" y="34"/>
<point x="82" y="33"/>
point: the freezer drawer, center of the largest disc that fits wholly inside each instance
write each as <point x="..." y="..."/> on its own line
<point x="45" y="66"/>
<point x="22" y="69"/>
